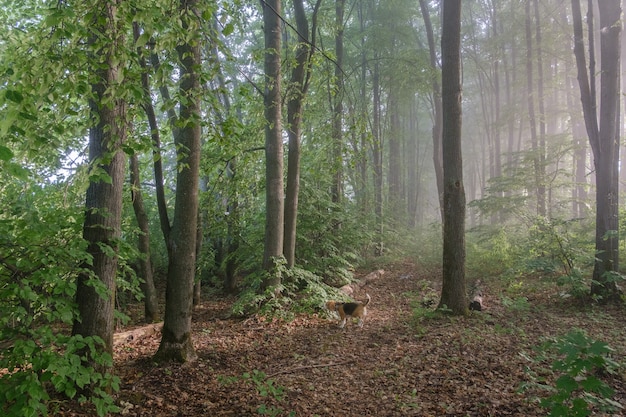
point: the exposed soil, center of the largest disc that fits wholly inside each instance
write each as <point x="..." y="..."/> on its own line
<point x="398" y="364"/>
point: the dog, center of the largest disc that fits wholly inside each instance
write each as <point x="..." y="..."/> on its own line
<point x="345" y="310"/>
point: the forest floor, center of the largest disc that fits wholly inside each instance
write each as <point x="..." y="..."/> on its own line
<point x="405" y="361"/>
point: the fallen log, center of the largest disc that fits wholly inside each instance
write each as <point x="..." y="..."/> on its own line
<point x="476" y="303"/>
<point x="357" y="286"/>
<point x="138" y="333"/>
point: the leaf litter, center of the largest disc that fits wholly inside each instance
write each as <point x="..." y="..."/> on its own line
<point x="405" y="361"/>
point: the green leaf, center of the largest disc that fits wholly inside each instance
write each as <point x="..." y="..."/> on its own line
<point x="228" y="29"/>
<point x="566" y="383"/>
<point x="14" y="96"/>
<point x="5" y="153"/>
<point x="142" y="40"/>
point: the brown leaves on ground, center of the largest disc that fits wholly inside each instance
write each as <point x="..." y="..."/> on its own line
<point x="398" y="364"/>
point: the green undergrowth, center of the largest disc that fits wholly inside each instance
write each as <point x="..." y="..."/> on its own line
<point x="300" y="291"/>
<point x="571" y="371"/>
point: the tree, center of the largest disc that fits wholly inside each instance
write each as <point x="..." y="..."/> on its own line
<point x="176" y="342"/>
<point x="436" y="99"/>
<point x="274" y="193"/>
<point x="453" y="292"/>
<point x="151" y="306"/>
<point x="603" y="134"/>
<point x="337" y="132"/>
<point x="300" y="77"/>
<point x="95" y="289"/>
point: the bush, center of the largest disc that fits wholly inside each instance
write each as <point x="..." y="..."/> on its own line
<point x="578" y="364"/>
<point x="40" y="254"/>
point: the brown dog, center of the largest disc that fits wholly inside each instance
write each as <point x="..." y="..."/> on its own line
<point x="345" y="310"/>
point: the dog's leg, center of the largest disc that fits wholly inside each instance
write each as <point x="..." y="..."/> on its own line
<point x="343" y="323"/>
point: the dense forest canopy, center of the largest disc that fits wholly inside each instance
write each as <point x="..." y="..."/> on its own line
<point x="268" y="147"/>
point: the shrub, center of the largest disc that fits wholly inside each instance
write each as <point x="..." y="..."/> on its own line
<point x="578" y="363"/>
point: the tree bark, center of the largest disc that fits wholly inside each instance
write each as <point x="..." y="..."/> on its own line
<point x="337" y="132"/>
<point x="377" y="157"/>
<point x="298" y="87"/>
<point x="530" y="100"/>
<point x="176" y="342"/>
<point x="603" y="139"/>
<point x="541" y="146"/>
<point x="437" y="110"/>
<point x="274" y="194"/>
<point x="151" y="306"/>
<point x="95" y="290"/>
<point x="453" y="293"/>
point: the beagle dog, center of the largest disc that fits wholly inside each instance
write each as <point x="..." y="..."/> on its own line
<point x="345" y="310"/>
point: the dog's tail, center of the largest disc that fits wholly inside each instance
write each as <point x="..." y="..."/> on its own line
<point x="368" y="299"/>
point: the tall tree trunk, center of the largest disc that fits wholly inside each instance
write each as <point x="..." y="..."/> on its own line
<point x="413" y="151"/>
<point x="295" y="104"/>
<point x="151" y="306"/>
<point x="337" y="132"/>
<point x="154" y="134"/>
<point x="497" y="145"/>
<point x="541" y="148"/>
<point x="530" y="96"/>
<point x="95" y="290"/>
<point x="361" y="191"/>
<point x="602" y="138"/>
<point x="395" y="161"/>
<point x="274" y="194"/>
<point x="437" y="111"/>
<point x="377" y="157"/>
<point x="453" y="292"/>
<point x="176" y="341"/>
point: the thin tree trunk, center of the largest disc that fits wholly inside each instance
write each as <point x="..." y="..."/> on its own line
<point x="337" y="132"/>
<point x="377" y="158"/>
<point x="151" y="306"/>
<point x="532" y="120"/>
<point x="541" y="157"/>
<point x="298" y="87"/>
<point x="155" y="135"/>
<point x="437" y="110"/>
<point x="395" y="164"/>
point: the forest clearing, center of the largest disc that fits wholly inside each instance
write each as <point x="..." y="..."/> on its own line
<point x="401" y="363"/>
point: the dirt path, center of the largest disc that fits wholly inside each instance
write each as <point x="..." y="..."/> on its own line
<point x="394" y="366"/>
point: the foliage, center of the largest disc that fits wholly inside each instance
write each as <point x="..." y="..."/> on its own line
<point x="40" y="256"/>
<point x="300" y="291"/>
<point x="56" y="361"/>
<point x="558" y="250"/>
<point x="579" y="364"/>
<point x="490" y="251"/>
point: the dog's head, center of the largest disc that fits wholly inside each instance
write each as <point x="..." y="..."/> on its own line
<point x="331" y="305"/>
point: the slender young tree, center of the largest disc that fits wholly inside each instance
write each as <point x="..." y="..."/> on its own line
<point x="603" y="133"/>
<point x="95" y="290"/>
<point x="530" y="100"/>
<point x="436" y="99"/>
<point x="176" y="341"/>
<point x="151" y="306"/>
<point x="298" y="86"/>
<point x="453" y="292"/>
<point x="337" y="132"/>
<point x="274" y="193"/>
